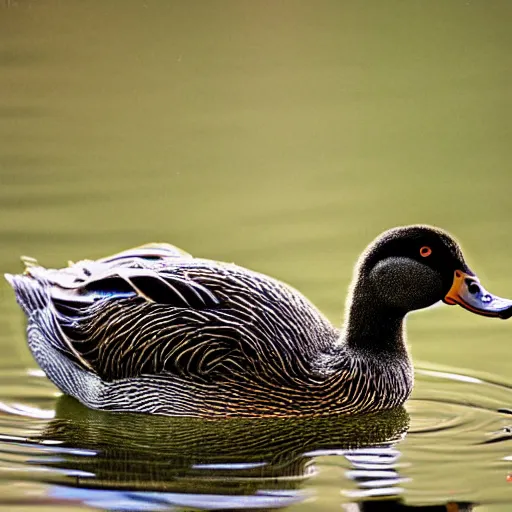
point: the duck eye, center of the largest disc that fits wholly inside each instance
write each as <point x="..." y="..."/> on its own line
<point x="425" y="251"/>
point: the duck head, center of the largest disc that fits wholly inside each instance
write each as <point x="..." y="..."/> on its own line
<point x="413" y="267"/>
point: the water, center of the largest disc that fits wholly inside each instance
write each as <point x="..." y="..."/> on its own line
<point x="450" y="445"/>
<point x="283" y="136"/>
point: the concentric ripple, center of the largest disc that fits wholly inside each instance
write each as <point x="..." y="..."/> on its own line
<point x="459" y="440"/>
<point x="453" y="446"/>
<point x="444" y="401"/>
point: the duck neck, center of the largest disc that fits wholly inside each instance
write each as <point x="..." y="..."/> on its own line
<point x="371" y="327"/>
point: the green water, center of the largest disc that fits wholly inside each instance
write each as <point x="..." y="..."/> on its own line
<point x="283" y="136"/>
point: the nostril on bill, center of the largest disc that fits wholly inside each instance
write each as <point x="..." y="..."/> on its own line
<point x="473" y="287"/>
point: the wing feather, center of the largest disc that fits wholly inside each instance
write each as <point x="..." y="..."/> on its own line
<point x="137" y="312"/>
<point x="154" y="310"/>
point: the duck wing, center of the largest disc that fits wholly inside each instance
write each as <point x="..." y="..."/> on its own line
<point x="133" y="273"/>
<point x="156" y="310"/>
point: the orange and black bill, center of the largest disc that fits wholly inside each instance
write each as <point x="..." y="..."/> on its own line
<point x="467" y="291"/>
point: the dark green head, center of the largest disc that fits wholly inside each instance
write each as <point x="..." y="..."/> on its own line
<point x="413" y="267"/>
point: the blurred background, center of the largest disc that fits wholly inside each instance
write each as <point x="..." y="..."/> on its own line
<point x="281" y="135"/>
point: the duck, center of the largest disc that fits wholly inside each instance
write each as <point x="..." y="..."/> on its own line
<point x="156" y="330"/>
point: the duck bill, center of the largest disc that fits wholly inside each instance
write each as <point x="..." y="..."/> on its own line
<point x="466" y="291"/>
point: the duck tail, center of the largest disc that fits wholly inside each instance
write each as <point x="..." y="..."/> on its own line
<point x="31" y="294"/>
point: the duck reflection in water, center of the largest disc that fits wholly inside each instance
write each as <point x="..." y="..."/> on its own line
<point x="221" y="464"/>
<point x="397" y="506"/>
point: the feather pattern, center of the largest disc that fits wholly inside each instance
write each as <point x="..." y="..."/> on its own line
<point x="155" y="330"/>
